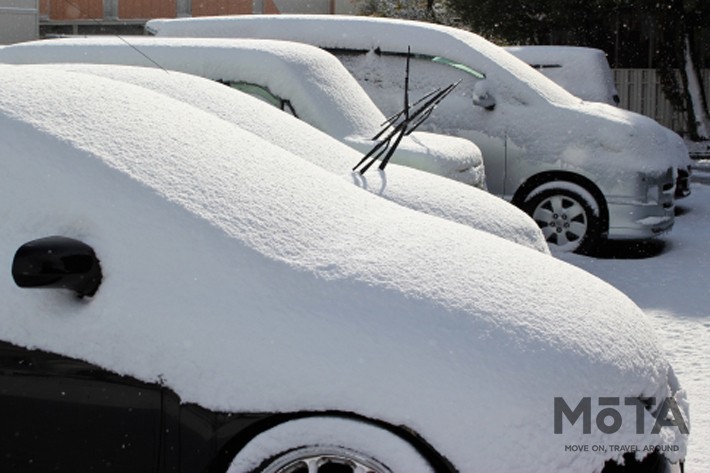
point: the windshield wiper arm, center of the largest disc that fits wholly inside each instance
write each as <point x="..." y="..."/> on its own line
<point x="410" y="118"/>
<point x="412" y="121"/>
<point x="390" y="121"/>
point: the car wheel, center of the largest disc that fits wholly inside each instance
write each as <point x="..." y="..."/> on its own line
<point x="567" y="214"/>
<point x="328" y="445"/>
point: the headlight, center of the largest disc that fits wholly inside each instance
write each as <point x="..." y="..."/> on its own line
<point x="657" y="189"/>
<point x="652" y="193"/>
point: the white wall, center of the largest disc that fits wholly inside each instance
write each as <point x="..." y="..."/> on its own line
<point x="19" y="20"/>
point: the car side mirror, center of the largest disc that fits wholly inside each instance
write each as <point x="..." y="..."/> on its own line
<point x="57" y="262"/>
<point x="482" y="96"/>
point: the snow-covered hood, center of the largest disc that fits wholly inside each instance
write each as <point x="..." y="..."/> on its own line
<point x="449" y="156"/>
<point x="231" y="280"/>
<point x="590" y="138"/>
<point x="596" y="137"/>
<point x="410" y="188"/>
<point x="644" y="138"/>
<point x="320" y="89"/>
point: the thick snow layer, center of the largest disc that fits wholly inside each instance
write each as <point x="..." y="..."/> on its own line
<point x="351" y="302"/>
<point x="417" y="190"/>
<point x="318" y="87"/>
<point x="672" y="288"/>
<point x="584" y="72"/>
<point x="344" y="32"/>
<point x="532" y="112"/>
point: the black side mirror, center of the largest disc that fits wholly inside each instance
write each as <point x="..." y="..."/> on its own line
<point x="485" y="101"/>
<point x="483" y="95"/>
<point x="57" y="262"/>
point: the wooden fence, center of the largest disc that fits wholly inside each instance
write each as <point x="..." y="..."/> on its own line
<point x="640" y="91"/>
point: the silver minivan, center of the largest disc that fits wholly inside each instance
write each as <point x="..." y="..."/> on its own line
<point x="585" y="73"/>
<point x="584" y="171"/>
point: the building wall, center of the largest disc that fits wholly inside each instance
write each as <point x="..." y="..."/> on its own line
<point x="127" y="17"/>
<point x="63" y="10"/>
<point x="221" y="7"/>
<point x="19" y="21"/>
<point x="300" y="6"/>
<point x="142" y="9"/>
<point x="74" y="10"/>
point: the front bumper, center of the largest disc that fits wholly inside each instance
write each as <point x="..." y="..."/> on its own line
<point x="646" y="216"/>
<point x="632" y="222"/>
<point x="654" y="463"/>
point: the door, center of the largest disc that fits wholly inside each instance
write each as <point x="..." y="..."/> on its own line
<point x="59" y="414"/>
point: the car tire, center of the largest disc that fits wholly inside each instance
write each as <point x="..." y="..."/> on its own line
<point x="328" y="444"/>
<point x="567" y="214"/>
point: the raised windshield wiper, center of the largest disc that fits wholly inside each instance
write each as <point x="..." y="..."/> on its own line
<point x="390" y="121"/>
<point x="402" y="123"/>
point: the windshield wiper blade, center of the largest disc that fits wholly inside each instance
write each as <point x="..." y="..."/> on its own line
<point x="381" y="148"/>
<point x="417" y="118"/>
<point x="390" y="121"/>
<point x="432" y="104"/>
<point x="402" y="129"/>
<point x="403" y="123"/>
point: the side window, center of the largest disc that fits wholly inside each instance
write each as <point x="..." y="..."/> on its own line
<point x="265" y="95"/>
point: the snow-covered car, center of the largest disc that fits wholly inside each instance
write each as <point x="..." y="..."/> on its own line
<point x="172" y="308"/>
<point x="299" y="79"/>
<point x="585" y="73"/>
<point x="583" y="170"/>
<point x="421" y="191"/>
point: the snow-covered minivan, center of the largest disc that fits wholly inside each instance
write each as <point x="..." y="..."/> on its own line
<point x="582" y="71"/>
<point x="167" y="307"/>
<point x="585" y="73"/>
<point x="582" y="170"/>
<point x="300" y="79"/>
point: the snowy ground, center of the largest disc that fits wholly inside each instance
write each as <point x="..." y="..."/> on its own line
<point x="670" y="280"/>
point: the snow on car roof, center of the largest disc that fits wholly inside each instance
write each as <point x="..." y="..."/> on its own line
<point x="229" y="279"/>
<point x="324" y="93"/>
<point x="420" y="191"/>
<point x="619" y="130"/>
<point x="350" y="32"/>
<point x="582" y="71"/>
